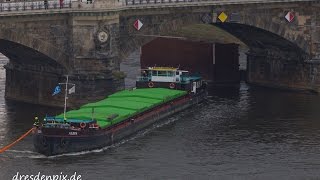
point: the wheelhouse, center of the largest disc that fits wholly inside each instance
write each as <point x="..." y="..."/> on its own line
<point x="169" y="77"/>
<point x="163" y="74"/>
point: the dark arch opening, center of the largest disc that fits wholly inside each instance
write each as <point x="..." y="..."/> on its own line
<point x="258" y="39"/>
<point x="272" y="60"/>
<point x="21" y="55"/>
<point x="30" y="74"/>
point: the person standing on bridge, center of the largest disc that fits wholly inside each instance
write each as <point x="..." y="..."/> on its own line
<point x="45" y="4"/>
<point x="61" y="4"/>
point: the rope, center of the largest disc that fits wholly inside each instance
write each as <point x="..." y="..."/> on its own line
<point x="16" y="141"/>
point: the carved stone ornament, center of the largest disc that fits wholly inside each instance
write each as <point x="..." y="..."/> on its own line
<point x="103" y="36"/>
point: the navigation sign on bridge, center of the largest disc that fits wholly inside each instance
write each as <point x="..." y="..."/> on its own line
<point x="289" y="16"/>
<point x="137" y="24"/>
<point x="223" y="17"/>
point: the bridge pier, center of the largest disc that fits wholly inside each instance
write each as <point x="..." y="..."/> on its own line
<point x="32" y="84"/>
<point x="81" y="45"/>
<point x="269" y="69"/>
<point x="35" y="84"/>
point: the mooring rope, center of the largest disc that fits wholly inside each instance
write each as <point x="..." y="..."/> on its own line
<point x="16" y="141"/>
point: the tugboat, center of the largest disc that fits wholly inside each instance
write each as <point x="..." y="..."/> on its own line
<point x="159" y="93"/>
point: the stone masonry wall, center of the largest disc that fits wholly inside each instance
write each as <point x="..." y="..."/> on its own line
<point x="269" y="71"/>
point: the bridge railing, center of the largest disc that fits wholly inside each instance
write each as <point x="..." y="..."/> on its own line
<point x="140" y="2"/>
<point x="35" y="5"/>
<point x="144" y="2"/>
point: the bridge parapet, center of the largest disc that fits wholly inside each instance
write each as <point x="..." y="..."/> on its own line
<point x="61" y="5"/>
<point x="25" y="6"/>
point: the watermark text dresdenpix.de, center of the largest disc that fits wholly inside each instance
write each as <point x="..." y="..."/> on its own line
<point x="40" y="176"/>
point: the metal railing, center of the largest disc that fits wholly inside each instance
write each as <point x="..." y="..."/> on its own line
<point x="141" y="78"/>
<point x="144" y="2"/>
<point x="140" y="2"/>
<point x="34" y="5"/>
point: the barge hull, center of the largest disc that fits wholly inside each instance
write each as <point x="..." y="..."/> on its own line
<point x="53" y="145"/>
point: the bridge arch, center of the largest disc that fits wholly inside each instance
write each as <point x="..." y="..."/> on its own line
<point x="34" y="68"/>
<point x="166" y="25"/>
<point x="271" y="23"/>
<point x="262" y="41"/>
<point x="276" y="57"/>
<point x="17" y="46"/>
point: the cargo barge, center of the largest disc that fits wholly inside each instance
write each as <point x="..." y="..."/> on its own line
<point x="159" y="93"/>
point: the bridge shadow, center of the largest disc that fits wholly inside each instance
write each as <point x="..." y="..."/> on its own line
<point x="257" y="38"/>
<point x="30" y="74"/>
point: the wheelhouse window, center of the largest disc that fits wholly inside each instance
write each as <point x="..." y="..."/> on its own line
<point x="185" y="74"/>
<point x="162" y="73"/>
<point x="170" y="73"/>
<point x="154" y="73"/>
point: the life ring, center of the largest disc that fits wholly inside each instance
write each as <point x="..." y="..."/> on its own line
<point x="82" y="125"/>
<point x="172" y="85"/>
<point x="150" y="84"/>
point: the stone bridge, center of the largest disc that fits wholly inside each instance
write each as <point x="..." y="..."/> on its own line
<point x="88" y="41"/>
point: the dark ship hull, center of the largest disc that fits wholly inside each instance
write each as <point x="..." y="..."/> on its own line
<point x="54" y="141"/>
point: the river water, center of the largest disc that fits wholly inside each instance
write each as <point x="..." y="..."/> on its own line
<point x="240" y="132"/>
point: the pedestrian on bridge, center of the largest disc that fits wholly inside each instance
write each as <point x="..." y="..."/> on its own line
<point x="46" y="5"/>
<point x="61" y="4"/>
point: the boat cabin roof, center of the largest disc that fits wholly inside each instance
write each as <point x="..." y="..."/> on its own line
<point x="163" y="69"/>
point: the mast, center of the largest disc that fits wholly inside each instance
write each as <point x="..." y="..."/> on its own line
<point x="65" y="99"/>
<point x="66" y="92"/>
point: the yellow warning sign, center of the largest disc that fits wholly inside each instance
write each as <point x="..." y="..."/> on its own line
<point x="223" y="17"/>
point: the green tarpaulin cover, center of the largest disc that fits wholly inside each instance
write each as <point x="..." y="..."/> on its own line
<point x="123" y="104"/>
